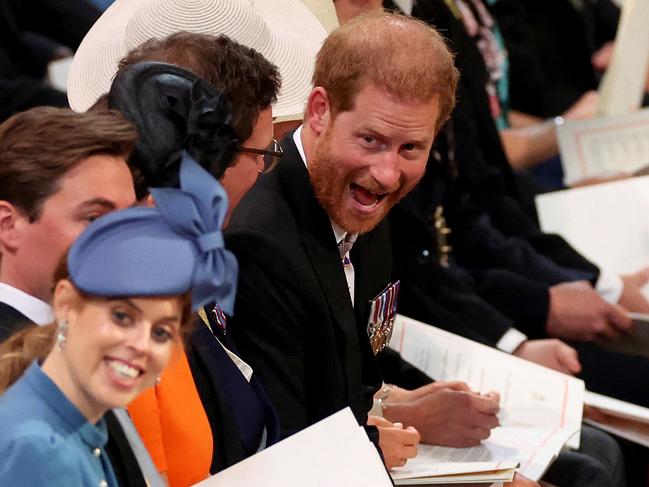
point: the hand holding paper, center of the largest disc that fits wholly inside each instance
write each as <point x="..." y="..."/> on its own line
<point x="578" y="312"/>
<point x="551" y="353"/>
<point x="446" y="413"/>
<point x="397" y="444"/>
<point x="632" y="298"/>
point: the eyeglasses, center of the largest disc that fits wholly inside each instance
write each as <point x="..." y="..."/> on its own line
<point x="272" y="154"/>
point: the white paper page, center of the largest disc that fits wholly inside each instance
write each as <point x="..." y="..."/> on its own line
<point x="450" y="461"/>
<point x="621" y="418"/>
<point x="530" y="395"/>
<point x="623" y="85"/>
<point x="468" y="480"/>
<point x="607" y="223"/>
<point x="333" y="452"/>
<point x="532" y="449"/>
<point x="604" y="146"/>
<point x="616" y="407"/>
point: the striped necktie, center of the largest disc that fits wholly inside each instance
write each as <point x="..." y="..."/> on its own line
<point x="344" y="247"/>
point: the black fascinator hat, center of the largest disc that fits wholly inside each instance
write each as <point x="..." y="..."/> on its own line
<point x="173" y="110"/>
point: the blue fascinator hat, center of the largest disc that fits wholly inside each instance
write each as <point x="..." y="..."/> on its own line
<point x="167" y="250"/>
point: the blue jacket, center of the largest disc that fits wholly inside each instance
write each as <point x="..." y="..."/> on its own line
<point x="45" y="439"/>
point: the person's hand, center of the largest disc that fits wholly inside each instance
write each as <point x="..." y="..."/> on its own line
<point x="602" y="57"/>
<point x="551" y="353"/>
<point x="584" y="108"/>
<point x="446" y="413"/>
<point x="632" y="298"/>
<point x="397" y="444"/>
<point x="577" y="312"/>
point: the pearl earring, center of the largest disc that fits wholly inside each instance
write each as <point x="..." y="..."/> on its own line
<point x="61" y="335"/>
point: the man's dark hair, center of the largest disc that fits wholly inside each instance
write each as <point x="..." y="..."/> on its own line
<point x="40" y="146"/>
<point x="249" y="81"/>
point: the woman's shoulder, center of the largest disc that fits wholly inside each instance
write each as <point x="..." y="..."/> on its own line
<point x="33" y="453"/>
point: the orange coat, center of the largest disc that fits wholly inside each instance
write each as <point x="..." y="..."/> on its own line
<point x="173" y="425"/>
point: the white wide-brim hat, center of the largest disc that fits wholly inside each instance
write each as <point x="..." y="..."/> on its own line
<point x="325" y="12"/>
<point x="284" y="31"/>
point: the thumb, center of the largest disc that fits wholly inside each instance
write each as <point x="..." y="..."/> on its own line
<point x="568" y="358"/>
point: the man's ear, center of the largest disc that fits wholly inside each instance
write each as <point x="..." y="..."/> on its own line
<point x="318" y="110"/>
<point x="10" y="224"/>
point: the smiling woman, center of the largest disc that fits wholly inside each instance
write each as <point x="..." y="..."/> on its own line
<point x="123" y="295"/>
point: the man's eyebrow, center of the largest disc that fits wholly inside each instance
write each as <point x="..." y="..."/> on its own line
<point x="98" y="201"/>
<point x="413" y="140"/>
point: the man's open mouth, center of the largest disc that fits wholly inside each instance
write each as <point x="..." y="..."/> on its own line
<point x="365" y="197"/>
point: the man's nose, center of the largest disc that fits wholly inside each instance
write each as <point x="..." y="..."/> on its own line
<point x="386" y="170"/>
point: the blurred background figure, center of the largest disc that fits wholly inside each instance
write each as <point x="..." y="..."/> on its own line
<point x="33" y="35"/>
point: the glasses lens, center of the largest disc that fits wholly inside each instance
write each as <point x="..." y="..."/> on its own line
<point x="272" y="157"/>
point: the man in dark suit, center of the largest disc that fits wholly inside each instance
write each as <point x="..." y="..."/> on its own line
<point x="53" y="185"/>
<point x="304" y="300"/>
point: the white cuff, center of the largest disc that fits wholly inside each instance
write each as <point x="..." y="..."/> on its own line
<point x="511" y="340"/>
<point x="609" y="286"/>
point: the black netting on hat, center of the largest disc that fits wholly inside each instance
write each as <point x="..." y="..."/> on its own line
<point x="173" y="110"/>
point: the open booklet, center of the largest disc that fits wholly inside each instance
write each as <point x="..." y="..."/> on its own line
<point x="541" y="409"/>
<point x="334" y="451"/>
<point x="620" y="418"/>
<point x="607" y="223"/>
<point x="604" y="146"/>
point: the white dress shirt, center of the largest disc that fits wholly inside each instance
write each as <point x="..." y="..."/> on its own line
<point x="33" y="308"/>
<point x="339" y="233"/>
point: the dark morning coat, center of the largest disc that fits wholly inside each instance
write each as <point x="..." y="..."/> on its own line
<point x="484" y="171"/>
<point x="293" y="320"/>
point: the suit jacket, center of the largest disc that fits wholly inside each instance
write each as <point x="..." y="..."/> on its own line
<point x="293" y="320"/>
<point x="548" y="52"/>
<point x="11" y="320"/>
<point x="485" y="176"/>
<point x="238" y="411"/>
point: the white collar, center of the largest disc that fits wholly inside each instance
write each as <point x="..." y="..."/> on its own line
<point x="33" y="308"/>
<point x="339" y="233"/>
<point x="405" y="5"/>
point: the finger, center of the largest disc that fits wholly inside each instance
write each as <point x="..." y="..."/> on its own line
<point x="378" y="421"/>
<point x="410" y="436"/>
<point x="620" y="319"/>
<point x="495" y="395"/>
<point x="409" y="451"/>
<point x="484" y="404"/>
<point x="397" y="425"/>
<point x="457" y="386"/>
<point x="605" y="330"/>
<point x="484" y="421"/>
<point x="568" y="358"/>
<point x="594" y="414"/>
<point x="479" y="433"/>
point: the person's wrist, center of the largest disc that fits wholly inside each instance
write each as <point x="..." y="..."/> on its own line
<point x="378" y="407"/>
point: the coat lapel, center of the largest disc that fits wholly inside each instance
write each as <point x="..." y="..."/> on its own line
<point x="321" y="249"/>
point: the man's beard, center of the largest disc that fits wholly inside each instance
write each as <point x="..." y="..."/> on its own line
<point x="330" y="187"/>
